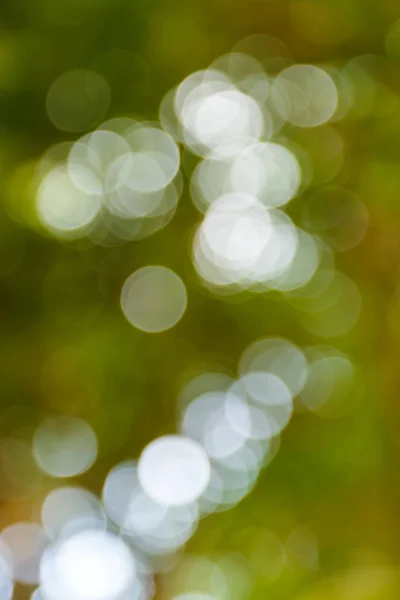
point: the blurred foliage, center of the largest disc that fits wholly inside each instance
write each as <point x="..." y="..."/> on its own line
<point x="67" y="348"/>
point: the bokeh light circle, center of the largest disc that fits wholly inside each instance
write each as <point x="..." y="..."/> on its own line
<point x="77" y="100"/>
<point x="153" y="299"/>
<point x="305" y="95"/>
<point x="70" y="509"/>
<point x="90" y="565"/>
<point x="64" y="446"/>
<point x="174" y="470"/>
<point x="62" y="206"/>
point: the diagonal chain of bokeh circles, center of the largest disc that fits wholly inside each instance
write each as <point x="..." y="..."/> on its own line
<point x="240" y="119"/>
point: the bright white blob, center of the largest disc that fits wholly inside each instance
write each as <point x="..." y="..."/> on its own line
<point x="243" y="243"/>
<point x="232" y="238"/>
<point x="62" y="207"/>
<point x="90" y="565"/>
<point x="216" y="116"/>
<point x="174" y="470"/>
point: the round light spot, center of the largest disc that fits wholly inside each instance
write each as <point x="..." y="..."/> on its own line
<point x="90" y="565"/>
<point x="174" y="470"/>
<point x="305" y="95"/>
<point x="62" y="207"/>
<point x="278" y="357"/>
<point x="119" y="488"/>
<point x="153" y="299"/>
<point x="155" y="159"/>
<point x="232" y="239"/>
<point x="303" y="266"/>
<point x="205" y="420"/>
<point x="70" y="509"/>
<point x="143" y="515"/>
<point x="26" y="542"/>
<point x="236" y="230"/>
<point x="308" y="297"/>
<point x="152" y="527"/>
<point x="99" y="162"/>
<point x="221" y="440"/>
<point x="269" y="393"/>
<point x="210" y="181"/>
<point x="246" y="73"/>
<point x="246" y="419"/>
<point x="78" y="100"/>
<point x="268" y="171"/>
<point x="65" y="446"/>
<point x="243" y="243"/>
<point x="331" y="389"/>
<point x="216" y="116"/>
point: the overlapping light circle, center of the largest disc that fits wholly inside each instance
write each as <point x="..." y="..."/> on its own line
<point x="268" y="171"/>
<point x="155" y="527"/>
<point x="305" y="95"/>
<point x="119" y="182"/>
<point x="174" y="470"/>
<point x="89" y="565"/>
<point x="243" y="243"/>
<point x="63" y="207"/>
<point x="67" y="510"/>
<point x="65" y="446"/>
<point x="216" y="117"/>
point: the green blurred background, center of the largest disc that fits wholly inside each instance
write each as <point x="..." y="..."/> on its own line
<point x="331" y="496"/>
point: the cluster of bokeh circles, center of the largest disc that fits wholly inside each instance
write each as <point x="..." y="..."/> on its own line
<point x="242" y="126"/>
<point x="239" y="121"/>
<point x="119" y="182"/>
<point x="110" y="547"/>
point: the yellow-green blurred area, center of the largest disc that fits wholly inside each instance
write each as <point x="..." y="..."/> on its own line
<point x="315" y="516"/>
